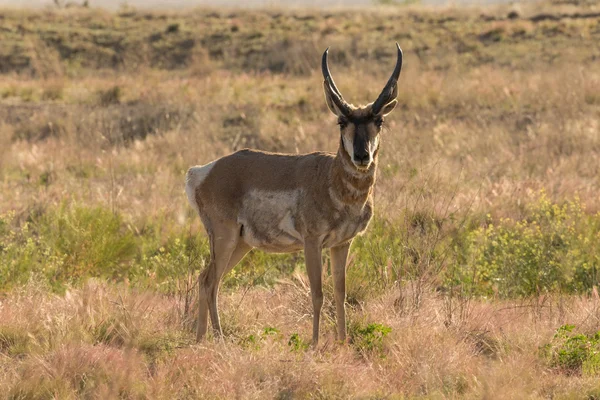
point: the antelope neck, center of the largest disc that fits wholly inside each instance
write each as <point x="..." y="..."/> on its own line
<point x="351" y="186"/>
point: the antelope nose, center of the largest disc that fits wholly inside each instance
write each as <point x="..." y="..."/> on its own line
<point x="361" y="157"/>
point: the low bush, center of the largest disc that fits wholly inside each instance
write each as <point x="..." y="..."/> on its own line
<point x="552" y="249"/>
<point x="65" y="246"/>
<point x="368" y="338"/>
<point x="572" y="352"/>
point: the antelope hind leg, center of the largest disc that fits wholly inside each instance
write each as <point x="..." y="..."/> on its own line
<point x="224" y="239"/>
<point x="238" y="253"/>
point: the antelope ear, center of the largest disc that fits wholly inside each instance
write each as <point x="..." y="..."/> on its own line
<point x="388" y="108"/>
<point x="329" y="99"/>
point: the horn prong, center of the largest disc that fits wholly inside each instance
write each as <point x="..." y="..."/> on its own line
<point x="390" y="88"/>
<point x="336" y="94"/>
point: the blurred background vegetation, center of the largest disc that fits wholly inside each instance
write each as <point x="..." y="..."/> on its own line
<point x="488" y="180"/>
<point x="477" y="277"/>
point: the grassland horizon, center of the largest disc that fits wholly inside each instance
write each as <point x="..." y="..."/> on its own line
<point x="181" y="5"/>
<point x="477" y="277"/>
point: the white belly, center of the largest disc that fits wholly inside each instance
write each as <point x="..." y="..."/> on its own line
<point x="268" y="220"/>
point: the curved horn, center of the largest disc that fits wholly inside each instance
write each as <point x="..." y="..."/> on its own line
<point x="390" y="91"/>
<point x="336" y="96"/>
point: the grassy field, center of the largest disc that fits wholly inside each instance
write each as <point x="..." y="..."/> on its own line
<point x="476" y="279"/>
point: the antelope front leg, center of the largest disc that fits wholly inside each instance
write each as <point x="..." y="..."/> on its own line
<point x="314" y="269"/>
<point x="339" y="255"/>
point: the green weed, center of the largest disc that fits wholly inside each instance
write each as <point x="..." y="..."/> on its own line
<point x="297" y="344"/>
<point x="89" y="241"/>
<point x="172" y="263"/>
<point x="574" y="352"/>
<point x="554" y="248"/>
<point x="368" y="338"/>
<point x="255" y="340"/>
<point x="23" y="254"/>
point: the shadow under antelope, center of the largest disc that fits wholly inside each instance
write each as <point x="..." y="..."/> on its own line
<point x="285" y="203"/>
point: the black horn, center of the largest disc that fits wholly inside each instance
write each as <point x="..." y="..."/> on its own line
<point x="336" y="96"/>
<point x="390" y="91"/>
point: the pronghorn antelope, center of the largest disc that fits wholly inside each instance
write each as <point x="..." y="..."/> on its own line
<point x="286" y="203"/>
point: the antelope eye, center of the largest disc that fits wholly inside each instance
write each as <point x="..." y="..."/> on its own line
<point x="342" y="123"/>
<point x="379" y="123"/>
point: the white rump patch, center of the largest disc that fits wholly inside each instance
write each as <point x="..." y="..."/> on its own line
<point x="194" y="178"/>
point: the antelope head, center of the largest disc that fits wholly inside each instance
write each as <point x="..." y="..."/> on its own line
<point x="360" y="126"/>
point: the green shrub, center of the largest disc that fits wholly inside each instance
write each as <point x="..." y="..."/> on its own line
<point x="553" y="249"/>
<point x="23" y="254"/>
<point x="375" y="259"/>
<point x="368" y="338"/>
<point x="409" y="248"/>
<point x="65" y="245"/>
<point x="90" y="241"/>
<point x="171" y="267"/>
<point x="574" y="352"/>
<point x="297" y="344"/>
<point x="69" y="244"/>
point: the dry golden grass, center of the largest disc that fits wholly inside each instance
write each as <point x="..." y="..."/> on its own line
<point x="491" y="111"/>
<point x="102" y="342"/>
<point x="499" y="135"/>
